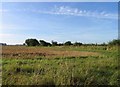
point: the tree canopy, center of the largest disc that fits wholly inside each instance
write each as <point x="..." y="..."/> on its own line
<point x="35" y="42"/>
<point x="32" y="42"/>
<point x="54" y="43"/>
<point x="44" y="43"/>
<point x="114" y="42"/>
<point x="68" y="43"/>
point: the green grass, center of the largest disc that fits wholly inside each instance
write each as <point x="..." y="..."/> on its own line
<point x="82" y="70"/>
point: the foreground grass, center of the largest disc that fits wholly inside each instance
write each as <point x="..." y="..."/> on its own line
<point x="63" y="70"/>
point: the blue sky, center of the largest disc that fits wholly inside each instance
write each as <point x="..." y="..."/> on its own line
<point x="59" y="0"/>
<point x="86" y="22"/>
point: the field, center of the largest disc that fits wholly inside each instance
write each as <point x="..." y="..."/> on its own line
<point x="60" y="65"/>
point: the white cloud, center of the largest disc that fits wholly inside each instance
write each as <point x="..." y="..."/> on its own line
<point x="66" y="10"/>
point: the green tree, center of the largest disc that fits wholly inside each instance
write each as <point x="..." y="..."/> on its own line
<point x="77" y="44"/>
<point x="114" y="42"/>
<point x="31" y="42"/>
<point x="44" y="43"/>
<point x="54" y="43"/>
<point x="68" y="43"/>
<point x="103" y="44"/>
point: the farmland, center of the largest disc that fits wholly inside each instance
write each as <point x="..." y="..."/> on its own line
<point x="60" y="65"/>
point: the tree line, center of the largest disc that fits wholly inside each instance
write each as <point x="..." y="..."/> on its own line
<point x="35" y="42"/>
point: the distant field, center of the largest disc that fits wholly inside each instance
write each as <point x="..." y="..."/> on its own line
<point x="32" y="52"/>
<point x="60" y="65"/>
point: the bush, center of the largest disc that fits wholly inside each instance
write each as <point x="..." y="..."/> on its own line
<point x="54" y="43"/>
<point x="77" y="44"/>
<point x="68" y="43"/>
<point x="114" y="42"/>
<point x="32" y="42"/>
<point x="44" y="43"/>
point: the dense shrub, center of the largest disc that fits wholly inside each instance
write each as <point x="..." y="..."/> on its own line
<point x="34" y="42"/>
<point x="31" y="42"/>
<point x="68" y="43"/>
<point x="54" y="43"/>
<point x="114" y="42"/>
<point x="44" y="43"/>
<point x="77" y="44"/>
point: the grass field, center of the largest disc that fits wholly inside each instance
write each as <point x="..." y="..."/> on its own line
<point x="60" y="65"/>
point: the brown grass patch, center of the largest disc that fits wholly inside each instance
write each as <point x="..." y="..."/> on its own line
<point x="30" y="52"/>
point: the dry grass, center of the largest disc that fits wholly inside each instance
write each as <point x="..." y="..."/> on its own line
<point x="28" y="52"/>
<point x="94" y="66"/>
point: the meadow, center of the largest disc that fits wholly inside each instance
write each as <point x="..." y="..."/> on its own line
<point x="60" y="65"/>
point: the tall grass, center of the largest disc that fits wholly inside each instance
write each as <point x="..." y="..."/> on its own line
<point x="63" y="70"/>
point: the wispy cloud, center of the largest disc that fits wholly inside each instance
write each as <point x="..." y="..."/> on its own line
<point x="68" y="11"/>
<point x="65" y="10"/>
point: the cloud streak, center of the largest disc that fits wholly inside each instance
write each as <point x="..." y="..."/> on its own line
<point x="65" y="10"/>
<point x="68" y="11"/>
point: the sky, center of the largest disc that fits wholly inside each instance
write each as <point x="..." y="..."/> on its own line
<point x="86" y="22"/>
<point x="59" y="0"/>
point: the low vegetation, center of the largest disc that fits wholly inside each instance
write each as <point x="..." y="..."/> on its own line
<point x="60" y="65"/>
